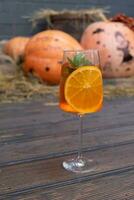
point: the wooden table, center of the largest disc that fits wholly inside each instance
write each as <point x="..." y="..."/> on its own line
<point x="36" y="137"/>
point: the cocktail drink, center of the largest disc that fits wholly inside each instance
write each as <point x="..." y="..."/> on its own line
<point x="81" y="92"/>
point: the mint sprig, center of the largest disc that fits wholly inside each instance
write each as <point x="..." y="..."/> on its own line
<point x="79" y="60"/>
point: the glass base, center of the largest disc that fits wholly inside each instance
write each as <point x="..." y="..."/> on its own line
<point x="80" y="165"/>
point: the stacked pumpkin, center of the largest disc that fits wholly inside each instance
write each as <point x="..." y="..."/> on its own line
<point x="44" y="54"/>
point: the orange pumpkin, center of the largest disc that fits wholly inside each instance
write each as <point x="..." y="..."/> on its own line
<point x="44" y="53"/>
<point x="115" y="42"/>
<point x="15" y="47"/>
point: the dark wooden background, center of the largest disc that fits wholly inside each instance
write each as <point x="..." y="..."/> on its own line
<point x="13" y="12"/>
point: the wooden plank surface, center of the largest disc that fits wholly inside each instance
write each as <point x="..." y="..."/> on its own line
<point x="104" y="188"/>
<point x="115" y="185"/>
<point x="35" y="139"/>
<point x="30" y="132"/>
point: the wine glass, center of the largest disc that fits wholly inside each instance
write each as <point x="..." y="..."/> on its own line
<point x="81" y="92"/>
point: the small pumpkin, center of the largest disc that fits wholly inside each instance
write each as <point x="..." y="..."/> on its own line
<point x="115" y="42"/>
<point x="44" y="54"/>
<point x="15" y="47"/>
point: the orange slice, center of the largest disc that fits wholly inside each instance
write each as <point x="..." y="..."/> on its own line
<point x="84" y="89"/>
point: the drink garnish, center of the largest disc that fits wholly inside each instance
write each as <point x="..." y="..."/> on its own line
<point x="79" y="60"/>
<point x="83" y="89"/>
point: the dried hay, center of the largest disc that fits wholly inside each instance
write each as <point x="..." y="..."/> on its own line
<point x="71" y="21"/>
<point x="7" y="65"/>
<point x="121" y="87"/>
<point x="93" y="14"/>
<point x="19" y="88"/>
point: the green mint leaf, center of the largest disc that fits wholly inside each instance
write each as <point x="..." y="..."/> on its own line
<point x="79" y="60"/>
<point x="71" y="63"/>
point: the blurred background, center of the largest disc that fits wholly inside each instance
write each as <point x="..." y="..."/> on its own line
<point x="25" y="75"/>
<point x="13" y="13"/>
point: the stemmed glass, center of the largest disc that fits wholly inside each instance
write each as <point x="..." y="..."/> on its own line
<point x="81" y="92"/>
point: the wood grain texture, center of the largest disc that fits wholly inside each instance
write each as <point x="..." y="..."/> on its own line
<point x="47" y="173"/>
<point x="30" y="132"/>
<point x="111" y="186"/>
<point x="36" y="138"/>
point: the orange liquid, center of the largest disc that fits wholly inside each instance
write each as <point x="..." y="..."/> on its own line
<point x="66" y="71"/>
<point x="64" y="75"/>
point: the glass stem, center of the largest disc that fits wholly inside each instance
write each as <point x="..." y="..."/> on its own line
<point x="80" y="136"/>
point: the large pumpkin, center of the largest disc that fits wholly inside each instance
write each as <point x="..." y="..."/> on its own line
<point x="44" y="53"/>
<point x="15" y="47"/>
<point x="115" y="42"/>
